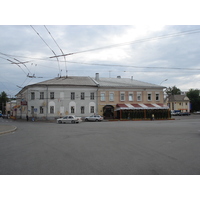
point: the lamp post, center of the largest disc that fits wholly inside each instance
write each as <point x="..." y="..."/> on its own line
<point x="163" y="81"/>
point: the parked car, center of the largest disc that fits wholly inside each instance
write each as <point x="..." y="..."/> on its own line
<point x="95" y="118"/>
<point x="69" y="119"/>
<point x="173" y="113"/>
<point x="184" y="114"/>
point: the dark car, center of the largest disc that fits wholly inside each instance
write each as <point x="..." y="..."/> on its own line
<point x="184" y="114"/>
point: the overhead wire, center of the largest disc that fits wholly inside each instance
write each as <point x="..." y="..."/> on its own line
<point x="132" y="66"/>
<point x="13" y="62"/>
<point x="133" y="42"/>
<point x="58" y="47"/>
<point x="48" y="47"/>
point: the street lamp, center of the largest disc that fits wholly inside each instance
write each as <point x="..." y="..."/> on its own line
<point x="163" y="81"/>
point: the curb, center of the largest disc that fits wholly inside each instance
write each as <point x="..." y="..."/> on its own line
<point x="9" y="131"/>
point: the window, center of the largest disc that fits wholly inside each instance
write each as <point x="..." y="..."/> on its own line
<point x="51" y="109"/>
<point x="102" y="96"/>
<point x="72" y="109"/>
<point x="82" y="109"/>
<point x="41" y="110"/>
<point x="32" y="110"/>
<point x="92" y="96"/>
<point x="111" y="96"/>
<point x="130" y="96"/>
<point x="149" y="96"/>
<point x="92" y="109"/>
<point x="32" y="95"/>
<point x="41" y="95"/>
<point x="82" y="95"/>
<point x="51" y="95"/>
<point x="157" y="96"/>
<point x="139" y="96"/>
<point x="122" y="96"/>
<point x="72" y="95"/>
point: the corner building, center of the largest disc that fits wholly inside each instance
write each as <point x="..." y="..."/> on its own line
<point x="113" y="98"/>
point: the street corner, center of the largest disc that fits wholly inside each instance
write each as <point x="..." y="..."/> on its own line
<point x="4" y="128"/>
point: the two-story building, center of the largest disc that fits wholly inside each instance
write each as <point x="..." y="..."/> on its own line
<point x="113" y="98"/>
<point x="58" y="97"/>
<point x="126" y="98"/>
<point x="178" y="102"/>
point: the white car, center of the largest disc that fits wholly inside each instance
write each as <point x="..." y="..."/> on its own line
<point x="69" y="119"/>
<point x="95" y="118"/>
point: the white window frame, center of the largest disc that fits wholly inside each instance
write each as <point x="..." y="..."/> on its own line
<point x="32" y="95"/>
<point x="82" y="109"/>
<point x="72" y="95"/>
<point x="130" y="94"/>
<point x="122" y="94"/>
<point x="92" y="96"/>
<point x="72" y="110"/>
<point x="52" y="95"/>
<point x="91" y="109"/>
<point x="41" y="95"/>
<point x="52" y="110"/>
<point x="111" y="96"/>
<point x="41" y="110"/>
<point x="149" y="94"/>
<point x="82" y="95"/>
<point x="157" y="93"/>
<point x="103" y="96"/>
<point x="139" y="94"/>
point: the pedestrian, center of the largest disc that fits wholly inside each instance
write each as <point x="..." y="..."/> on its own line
<point x="152" y="117"/>
<point x="26" y="117"/>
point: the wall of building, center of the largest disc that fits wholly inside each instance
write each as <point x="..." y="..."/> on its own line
<point x="135" y="92"/>
<point x="43" y="106"/>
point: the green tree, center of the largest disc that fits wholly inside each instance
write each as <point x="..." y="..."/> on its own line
<point x="3" y="100"/>
<point x="194" y="97"/>
<point x="172" y="90"/>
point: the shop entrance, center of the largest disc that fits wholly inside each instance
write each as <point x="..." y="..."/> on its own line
<point x="108" y="112"/>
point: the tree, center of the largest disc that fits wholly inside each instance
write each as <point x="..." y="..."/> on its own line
<point x="3" y="100"/>
<point x="172" y="90"/>
<point x="194" y="97"/>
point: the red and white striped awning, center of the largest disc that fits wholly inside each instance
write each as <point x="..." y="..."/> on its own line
<point x="140" y="106"/>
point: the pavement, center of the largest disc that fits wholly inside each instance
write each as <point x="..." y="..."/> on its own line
<point x="6" y="128"/>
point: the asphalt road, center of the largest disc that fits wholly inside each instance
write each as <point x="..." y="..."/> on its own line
<point x="102" y="148"/>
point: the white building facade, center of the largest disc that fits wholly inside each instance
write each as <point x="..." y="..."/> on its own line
<point x="58" y="97"/>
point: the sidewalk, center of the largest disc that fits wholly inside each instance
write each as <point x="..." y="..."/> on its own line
<point x="4" y="128"/>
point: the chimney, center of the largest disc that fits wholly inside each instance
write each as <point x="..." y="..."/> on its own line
<point x="118" y="76"/>
<point x="97" y="76"/>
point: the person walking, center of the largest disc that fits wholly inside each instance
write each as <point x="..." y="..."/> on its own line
<point x="26" y="117"/>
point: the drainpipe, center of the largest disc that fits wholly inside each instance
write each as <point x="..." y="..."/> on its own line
<point x="47" y="103"/>
<point x="97" y="106"/>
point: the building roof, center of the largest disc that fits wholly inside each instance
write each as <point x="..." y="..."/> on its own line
<point x="177" y="97"/>
<point x="125" y="82"/>
<point x="68" y="81"/>
<point x="88" y="81"/>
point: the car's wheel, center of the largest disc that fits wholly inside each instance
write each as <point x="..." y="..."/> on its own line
<point x="96" y="120"/>
<point x="86" y="120"/>
<point x="73" y="122"/>
<point x="60" y="122"/>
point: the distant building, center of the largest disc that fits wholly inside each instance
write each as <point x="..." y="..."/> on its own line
<point x="178" y="102"/>
<point x="113" y="98"/>
<point x="10" y="108"/>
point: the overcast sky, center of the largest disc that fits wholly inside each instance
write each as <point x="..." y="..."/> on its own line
<point x="143" y="53"/>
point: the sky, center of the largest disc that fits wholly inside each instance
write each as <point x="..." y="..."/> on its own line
<point x="166" y="55"/>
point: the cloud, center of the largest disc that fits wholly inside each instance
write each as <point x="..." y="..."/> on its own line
<point x="155" y="59"/>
